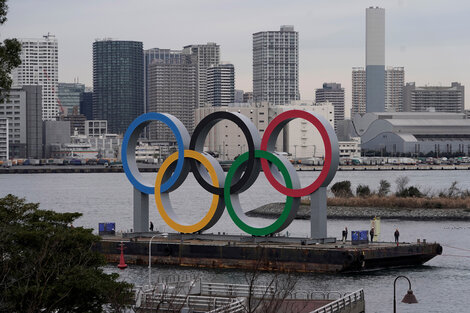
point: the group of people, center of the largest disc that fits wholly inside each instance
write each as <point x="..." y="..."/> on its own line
<point x="371" y="233"/>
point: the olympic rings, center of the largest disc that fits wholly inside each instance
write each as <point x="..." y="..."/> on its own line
<point x="253" y="140"/>
<point x="162" y="199"/>
<point x="239" y="177"/>
<point x="130" y="142"/>
<point x="233" y="203"/>
<point x="330" y="141"/>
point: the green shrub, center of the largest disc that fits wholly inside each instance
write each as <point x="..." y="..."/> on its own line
<point x="410" y="192"/>
<point x="342" y="189"/>
<point x="363" y="191"/>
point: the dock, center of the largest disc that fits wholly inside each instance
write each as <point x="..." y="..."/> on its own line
<point x="265" y="253"/>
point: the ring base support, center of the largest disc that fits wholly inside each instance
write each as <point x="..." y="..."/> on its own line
<point x="141" y="211"/>
<point x="318" y="213"/>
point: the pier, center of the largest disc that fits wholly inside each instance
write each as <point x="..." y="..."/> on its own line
<point x="266" y="253"/>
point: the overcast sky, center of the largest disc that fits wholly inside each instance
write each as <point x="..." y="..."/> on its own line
<point x="429" y="38"/>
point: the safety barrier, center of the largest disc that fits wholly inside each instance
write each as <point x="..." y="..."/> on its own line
<point x="343" y="303"/>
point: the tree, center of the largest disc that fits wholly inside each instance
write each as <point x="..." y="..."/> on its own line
<point x="384" y="188"/>
<point x="49" y="266"/>
<point x="362" y="191"/>
<point x="402" y="182"/>
<point x="342" y="189"/>
<point x="9" y="54"/>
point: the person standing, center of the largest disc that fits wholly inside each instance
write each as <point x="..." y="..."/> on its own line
<point x="372" y="234"/>
<point x="345" y="234"/>
<point x="397" y="236"/>
<point x="151" y="226"/>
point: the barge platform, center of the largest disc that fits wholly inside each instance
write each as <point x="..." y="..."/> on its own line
<point x="265" y="253"/>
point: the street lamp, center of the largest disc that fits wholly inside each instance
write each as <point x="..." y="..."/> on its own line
<point x="408" y="298"/>
<point x="150" y="259"/>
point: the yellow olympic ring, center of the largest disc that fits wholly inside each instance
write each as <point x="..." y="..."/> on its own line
<point x="164" y="197"/>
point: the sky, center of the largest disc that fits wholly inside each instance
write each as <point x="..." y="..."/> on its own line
<point x="428" y="37"/>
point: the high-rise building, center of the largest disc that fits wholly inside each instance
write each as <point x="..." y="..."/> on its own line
<point x="248" y="97"/>
<point x="69" y="96"/>
<point x="434" y="98"/>
<point x="77" y="123"/>
<point x="202" y="56"/>
<point x="238" y="96"/>
<point x="394" y="83"/>
<point x="40" y="66"/>
<point x="172" y="88"/>
<point x="221" y="84"/>
<point x="375" y="59"/>
<point x="118" y="82"/>
<point x="86" y="104"/>
<point x="276" y="66"/>
<point x="333" y="93"/>
<point x="164" y="55"/>
<point x="23" y="110"/>
<point x="4" y="144"/>
<point x="358" y="90"/>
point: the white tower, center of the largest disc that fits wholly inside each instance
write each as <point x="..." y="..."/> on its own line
<point x="40" y="66"/>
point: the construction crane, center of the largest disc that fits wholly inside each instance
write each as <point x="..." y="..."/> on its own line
<point x="61" y="108"/>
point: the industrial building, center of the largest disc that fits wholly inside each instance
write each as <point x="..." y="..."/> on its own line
<point x="375" y="59"/>
<point x="424" y="133"/>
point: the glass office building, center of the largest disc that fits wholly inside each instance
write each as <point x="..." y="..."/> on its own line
<point x="118" y="82"/>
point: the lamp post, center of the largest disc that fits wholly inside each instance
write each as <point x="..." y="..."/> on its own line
<point x="150" y="260"/>
<point x="408" y="298"/>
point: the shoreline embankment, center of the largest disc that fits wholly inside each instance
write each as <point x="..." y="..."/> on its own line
<point x="273" y="210"/>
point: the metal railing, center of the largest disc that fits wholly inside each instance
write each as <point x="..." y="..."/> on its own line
<point x="235" y="290"/>
<point x="342" y="303"/>
<point x="171" y="302"/>
<point x="236" y="306"/>
<point x="241" y="290"/>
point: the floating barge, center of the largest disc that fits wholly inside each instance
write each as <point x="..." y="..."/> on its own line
<point x="266" y="253"/>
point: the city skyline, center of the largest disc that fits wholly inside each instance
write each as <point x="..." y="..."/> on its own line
<point x="331" y="36"/>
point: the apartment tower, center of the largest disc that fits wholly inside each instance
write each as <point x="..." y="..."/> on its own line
<point x="333" y="93"/>
<point x="221" y="84"/>
<point x="203" y="57"/>
<point x="276" y="66"/>
<point x="40" y="66"/>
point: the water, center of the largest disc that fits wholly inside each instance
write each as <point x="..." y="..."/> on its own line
<point x="442" y="285"/>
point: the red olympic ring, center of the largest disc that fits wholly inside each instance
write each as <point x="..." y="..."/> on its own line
<point x="285" y="117"/>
